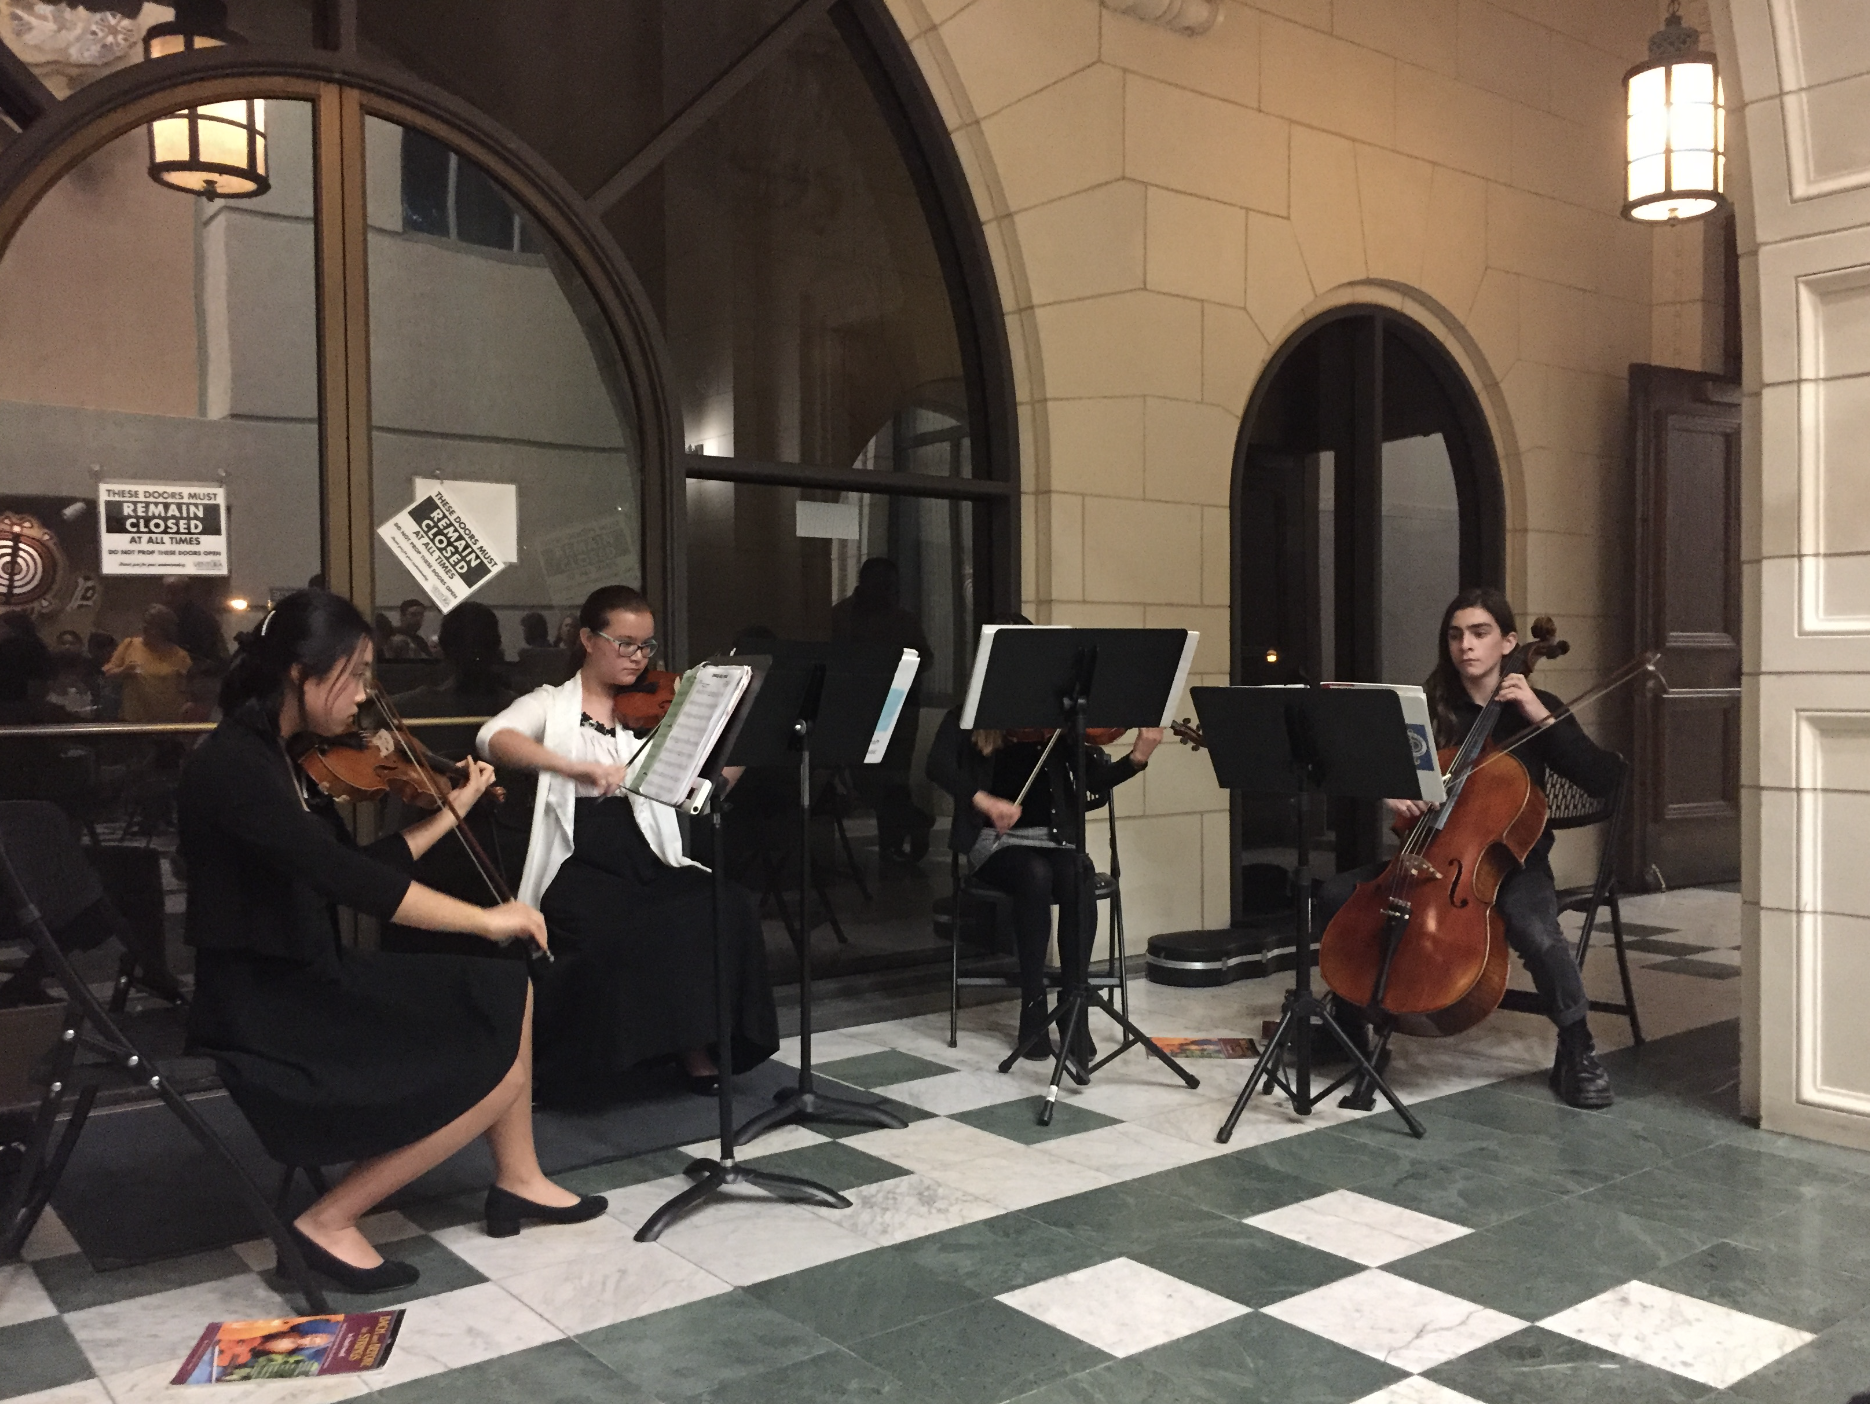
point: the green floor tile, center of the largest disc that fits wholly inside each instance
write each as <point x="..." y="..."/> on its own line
<point x="1670" y="1194"/>
<point x="1705" y="969"/>
<point x="1019" y="1121"/>
<point x="559" y="1372"/>
<point x="1651" y="945"/>
<point x="1549" y="1259"/>
<point x="1120" y="1382"/>
<point x="1502" y="1110"/>
<point x="1789" y="1288"/>
<point x="1233" y="1185"/>
<point x="834" y="1377"/>
<point x="432" y="1215"/>
<point x="1852" y="1163"/>
<point x="441" y="1272"/>
<point x="839" y="1130"/>
<point x="688" y="1350"/>
<point x="981" y="1354"/>
<point x="621" y="1174"/>
<point x="1460" y="1194"/>
<point x="882" y="1068"/>
<point x="1536" y="1366"/>
<point x="851" y="1298"/>
<point x="999" y="1254"/>
<point x="1245" y="1264"/>
<point x="1829" y="1370"/>
<point x="1329" y="1158"/>
<point x="1124" y="1217"/>
<point x="1829" y="1229"/>
<point x="1259" y="1358"/>
<point x="38" y="1355"/>
<point x="72" y="1283"/>
<point x="831" y="1164"/>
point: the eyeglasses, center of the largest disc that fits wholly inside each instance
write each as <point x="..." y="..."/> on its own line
<point x="628" y="648"/>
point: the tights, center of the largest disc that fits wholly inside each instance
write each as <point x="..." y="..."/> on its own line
<point x="1035" y="878"/>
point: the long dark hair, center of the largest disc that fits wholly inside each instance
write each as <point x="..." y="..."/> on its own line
<point x="1444" y="686"/>
<point x="313" y="628"/>
<point x="599" y="605"/>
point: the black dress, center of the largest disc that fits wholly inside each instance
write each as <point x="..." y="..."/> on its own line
<point x="332" y="1054"/>
<point x="634" y="975"/>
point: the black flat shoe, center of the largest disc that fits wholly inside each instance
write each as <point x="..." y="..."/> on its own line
<point x="507" y="1212"/>
<point x="387" y="1276"/>
<point x="702" y="1084"/>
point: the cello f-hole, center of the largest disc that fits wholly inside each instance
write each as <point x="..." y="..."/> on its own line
<point x="1454" y="884"/>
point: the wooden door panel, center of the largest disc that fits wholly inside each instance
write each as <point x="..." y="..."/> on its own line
<point x="1684" y="822"/>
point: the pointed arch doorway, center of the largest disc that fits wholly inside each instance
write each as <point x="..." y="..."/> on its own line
<point x="1367" y="491"/>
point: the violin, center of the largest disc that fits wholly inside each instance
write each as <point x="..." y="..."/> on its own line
<point x="644" y="703"/>
<point x="1421" y="943"/>
<point x="368" y="765"/>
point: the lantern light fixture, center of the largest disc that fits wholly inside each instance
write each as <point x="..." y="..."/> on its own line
<point x="1676" y="143"/>
<point x="217" y="150"/>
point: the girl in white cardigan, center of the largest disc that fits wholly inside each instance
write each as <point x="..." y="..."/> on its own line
<point x="630" y="917"/>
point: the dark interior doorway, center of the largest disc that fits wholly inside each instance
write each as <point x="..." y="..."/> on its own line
<point x="1366" y="493"/>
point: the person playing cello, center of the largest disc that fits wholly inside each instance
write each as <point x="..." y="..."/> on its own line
<point x="1478" y="634"/>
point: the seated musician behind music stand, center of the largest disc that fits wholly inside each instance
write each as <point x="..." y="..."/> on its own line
<point x="388" y="1062"/>
<point x="1028" y="851"/>
<point x="1478" y="632"/>
<point x="629" y="914"/>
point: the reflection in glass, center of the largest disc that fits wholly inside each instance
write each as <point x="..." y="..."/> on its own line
<point x="1421" y="554"/>
<point x="492" y="377"/>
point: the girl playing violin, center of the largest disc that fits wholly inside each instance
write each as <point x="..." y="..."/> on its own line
<point x="630" y="916"/>
<point x="1028" y="850"/>
<point x="388" y="1062"/>
<point x="1479" y="634"/>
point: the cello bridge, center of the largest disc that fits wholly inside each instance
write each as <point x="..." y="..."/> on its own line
<point x="1419" y="868"/>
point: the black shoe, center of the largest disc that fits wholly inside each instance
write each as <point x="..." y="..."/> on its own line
<point x="1577" y="1077"/>
<point x="1035" y="1025"/>
<point x="385" y="1277"/>
<point x="702" y="1084"/>
<point x="506" y="1212"/>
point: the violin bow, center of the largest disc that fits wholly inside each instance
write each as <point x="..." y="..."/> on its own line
<point x="1023" y="789"/>
<point x="489" y="873"/>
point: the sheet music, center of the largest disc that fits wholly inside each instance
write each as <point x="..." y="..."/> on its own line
<point x="893" y="705"/>
<point x="1421" y="735"/>
<point x="705" y="699"/>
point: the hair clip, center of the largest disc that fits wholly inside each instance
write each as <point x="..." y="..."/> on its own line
<point x="264" y="623"/>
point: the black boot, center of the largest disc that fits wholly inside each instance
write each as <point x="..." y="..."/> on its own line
<point x="1035" y="1025"/>
<point x="1577" y="1077"/>
<point x="1082" y="1051"/>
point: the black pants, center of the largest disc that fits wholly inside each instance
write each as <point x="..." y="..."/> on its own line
<point x="1528" y="906"/>
<point x="1035" y="878"/>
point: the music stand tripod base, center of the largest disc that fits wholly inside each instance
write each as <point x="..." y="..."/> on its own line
<point x="1077" y="1014"/>
<point x="711" y="1176"/>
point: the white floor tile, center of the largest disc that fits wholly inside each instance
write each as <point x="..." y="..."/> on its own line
<point x="1125" y="1151"/>
<point x="948" y="1093"/>
<point x="1354" y="1226"/>
<point x="829" y="1047"/>
<point x="746" y="1242"/>
<point x="1132" y="1098"/>
<point x="21" y="1296"/>
<point x="83" y="1392"/>
<point x="1020" y="1178"/>
<point x="121" y="1336"/>
<point x="1401" y="1323"/>
<point x="910" y="1206"/>
<point x="540" y="1245"/>
<point x="150" y="1384"/>
<point x="1713" y="1345"/>
<point x="585" y="1294"/>
<point x="1416" y="1390"/>
<point x="1122" y="1307"/>
<point x="931" y="1144"/>
<point x="49" y="1238"/>
<point x="791" y="1136"/>
<point x="462" y="1327"/>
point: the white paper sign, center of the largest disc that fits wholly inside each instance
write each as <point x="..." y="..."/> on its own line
<point x="492" y="507"/>
<point x="893" y="705"/>
<point x="442" y="547"/>
<point x="162" y="528"/>
<point x="580" y="559"/>
<point x="839" y="521"/>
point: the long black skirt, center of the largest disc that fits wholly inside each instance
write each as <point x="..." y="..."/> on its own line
<point x="357" y="1056"/>
<point x="633" y="980"/>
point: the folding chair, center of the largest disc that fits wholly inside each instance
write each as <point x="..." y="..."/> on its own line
<point x="47" y="884"/>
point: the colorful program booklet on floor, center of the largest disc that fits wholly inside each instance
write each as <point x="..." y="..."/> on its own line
<point x="1208" y="1047"/>
<point x="290" y="1347"/>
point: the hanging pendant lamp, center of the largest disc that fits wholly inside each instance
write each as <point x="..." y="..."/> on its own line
<point x="217" y="150"/>
<point x="1676" y="152"/>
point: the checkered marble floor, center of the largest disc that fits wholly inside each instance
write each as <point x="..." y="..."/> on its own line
<point x="1523" y="1251"/>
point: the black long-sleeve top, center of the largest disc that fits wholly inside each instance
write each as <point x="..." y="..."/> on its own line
<point x="956" y="764"/>
<point x="265" y="871"/>
<point x="1563" y="746"/>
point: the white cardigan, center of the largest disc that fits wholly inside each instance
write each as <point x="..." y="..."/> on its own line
<point x="549" y="715"/>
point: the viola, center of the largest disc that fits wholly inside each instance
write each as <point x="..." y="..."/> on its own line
<point x="369" y="765"/>
<point x="1421" y="943"/>
<point x="644" y="703"/>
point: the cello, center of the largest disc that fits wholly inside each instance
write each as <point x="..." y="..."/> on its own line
<point x="1420" y="945"/>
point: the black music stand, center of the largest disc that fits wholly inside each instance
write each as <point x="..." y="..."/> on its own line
<point x="1033" y="676"/>
<point x="711" y="1176"/>
<point x="1303" y="742"/>
<point x="819" y="705"/>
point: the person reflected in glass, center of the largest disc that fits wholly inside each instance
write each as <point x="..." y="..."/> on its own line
<point x="196" y="628"/>
<point x="152" y="669"/>
<point x="73" y="687"/>
<point x="385" y="1062"/>
<point x="632" y="918"/>
<point x="874" y="613"/>
<point x="532" y="630"/>
<point x="100" y="647"/>
<point x="25" y="667"/>
<point x="475" y="683"/>
<point x="1028" y="850"/>
<point x="411" y="615"/>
